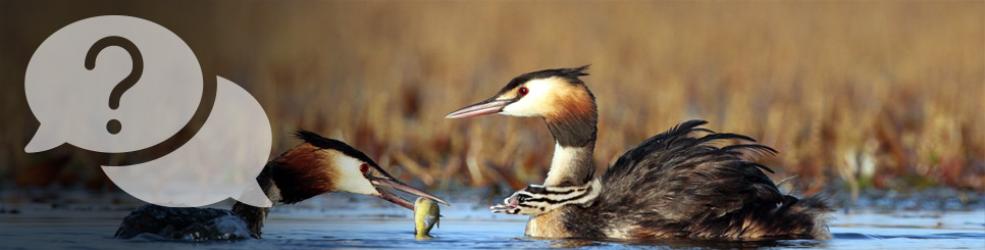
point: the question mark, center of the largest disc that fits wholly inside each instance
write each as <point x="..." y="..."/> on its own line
<point x="114" y="126"/>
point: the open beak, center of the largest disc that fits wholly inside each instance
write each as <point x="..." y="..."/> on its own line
<point x="490" y="106"/>
<point x="381" y="182"/>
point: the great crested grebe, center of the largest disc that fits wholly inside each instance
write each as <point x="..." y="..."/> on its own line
<point x="677" y="184"/>
<point x="538" y="199"/>
<point x="316" y="166"/>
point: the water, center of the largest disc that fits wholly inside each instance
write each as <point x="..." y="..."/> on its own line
<point x="353" y="222"/>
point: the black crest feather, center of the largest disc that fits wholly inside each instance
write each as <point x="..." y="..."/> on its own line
<point x="570" y="74"/>
<point x="327" y="143"/>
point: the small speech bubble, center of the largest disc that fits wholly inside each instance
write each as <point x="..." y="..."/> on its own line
<point x="222" y="160"/>
<point x="116" y="84"/>
<point x="111" y="84"/>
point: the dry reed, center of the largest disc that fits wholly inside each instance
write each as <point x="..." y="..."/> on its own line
<point x="870" y="94"/>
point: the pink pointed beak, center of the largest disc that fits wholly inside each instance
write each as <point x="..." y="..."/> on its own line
<point x="380" y="182"/>
<point x="491" y="106"/>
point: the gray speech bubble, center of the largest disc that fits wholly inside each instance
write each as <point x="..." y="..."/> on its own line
<point x="73" y="102"/>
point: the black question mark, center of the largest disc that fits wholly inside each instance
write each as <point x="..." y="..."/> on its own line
<point x="114" y="126"/>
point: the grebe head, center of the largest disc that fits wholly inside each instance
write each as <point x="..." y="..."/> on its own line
<point x="538" y="199"/>
<point x="568" y="108"/>
<point x="329" y="165"/>
<point x="551" y="94"/>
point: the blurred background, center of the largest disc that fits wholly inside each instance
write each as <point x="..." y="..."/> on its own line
<point x="860" y="98"/>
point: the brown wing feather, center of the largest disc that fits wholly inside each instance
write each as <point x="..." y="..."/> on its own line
<point x="680" y="184"/>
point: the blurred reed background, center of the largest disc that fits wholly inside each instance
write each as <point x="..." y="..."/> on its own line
<point x="854" y="95"/>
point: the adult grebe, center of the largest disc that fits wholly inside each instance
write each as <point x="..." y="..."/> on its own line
<point x="677" y="184"/>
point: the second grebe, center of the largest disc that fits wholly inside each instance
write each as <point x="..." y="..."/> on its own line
<point x="316" y="166"/>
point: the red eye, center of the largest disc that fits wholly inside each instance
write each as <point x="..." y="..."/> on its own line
<point x="523" y="91"/>
<point x="363" y="168"/>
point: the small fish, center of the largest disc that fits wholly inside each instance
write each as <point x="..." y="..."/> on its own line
<point x="426" y="215"/>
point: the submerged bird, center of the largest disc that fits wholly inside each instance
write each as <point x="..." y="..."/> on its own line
<point x="426" y="216"/>
<point x="316" y="166"/>
<point x="678" y="184"/>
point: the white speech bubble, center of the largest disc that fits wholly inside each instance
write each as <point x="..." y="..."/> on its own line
<point x="222" y="160"/>
<point x="75" y="75"/>
<point x="72" y="102"/>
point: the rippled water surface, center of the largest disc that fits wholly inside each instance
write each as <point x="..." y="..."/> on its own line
<point x="359" y="223"/>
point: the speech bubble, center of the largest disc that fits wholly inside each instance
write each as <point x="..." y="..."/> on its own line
<point x="222" y="160"/>
<point x="116" y="84"/>
<point x="73" y="101"/>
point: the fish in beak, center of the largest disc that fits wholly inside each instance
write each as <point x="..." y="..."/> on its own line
<point x="426" y="216"/>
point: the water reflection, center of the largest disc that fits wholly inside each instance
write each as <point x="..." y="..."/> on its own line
<point x="339" y="221"/>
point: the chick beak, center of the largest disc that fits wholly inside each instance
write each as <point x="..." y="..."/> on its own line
<point x="490" y="106"/>
<point x="381" y="182"/>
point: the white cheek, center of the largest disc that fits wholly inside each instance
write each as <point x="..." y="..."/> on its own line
<point x="523" y="108"/>
<point x="536" y="102"/>
<point x="351" y="179"/>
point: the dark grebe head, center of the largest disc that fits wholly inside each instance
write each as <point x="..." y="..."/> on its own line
<point x="322" y="165"/>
